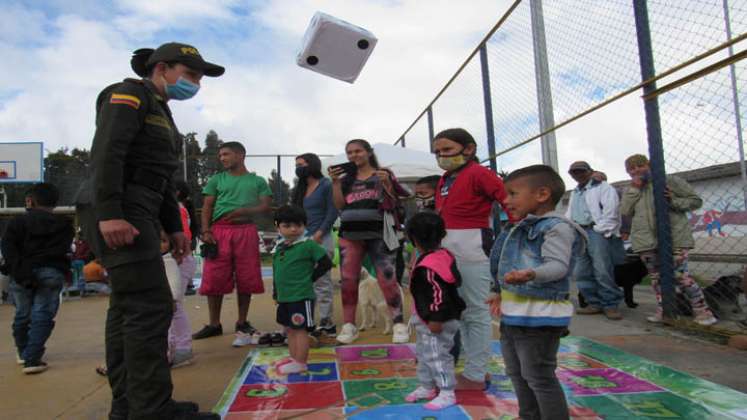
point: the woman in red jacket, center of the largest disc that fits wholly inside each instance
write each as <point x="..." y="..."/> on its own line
<point x="464" y="199"/>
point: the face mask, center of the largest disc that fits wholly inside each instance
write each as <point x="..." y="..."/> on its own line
<point x="425" y="203"/>
<point x="302" y="171"/>
<point x="450" y="163"/>
<point x="182" y="89"/>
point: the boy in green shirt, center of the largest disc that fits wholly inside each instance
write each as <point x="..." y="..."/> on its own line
<point x="296" y="263"/>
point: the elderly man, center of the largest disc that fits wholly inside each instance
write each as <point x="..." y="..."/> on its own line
<point x="595" y="206"/>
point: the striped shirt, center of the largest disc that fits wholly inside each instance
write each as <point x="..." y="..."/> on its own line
<point x="526" y="311"/>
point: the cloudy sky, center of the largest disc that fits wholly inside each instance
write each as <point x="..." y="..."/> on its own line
<point x="58" y="55"/>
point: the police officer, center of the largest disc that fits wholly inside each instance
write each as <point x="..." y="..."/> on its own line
<point x="133" y="158"/>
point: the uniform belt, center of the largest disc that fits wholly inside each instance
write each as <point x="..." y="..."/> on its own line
<point x="147" y="179"/>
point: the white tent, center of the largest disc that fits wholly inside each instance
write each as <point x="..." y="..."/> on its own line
<point x="407" y="164"/>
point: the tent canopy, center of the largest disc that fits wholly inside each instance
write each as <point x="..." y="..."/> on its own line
<point x="408" y="165"/>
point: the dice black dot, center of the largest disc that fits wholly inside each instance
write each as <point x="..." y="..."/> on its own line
<point x="363" y="44"/>
<point x="312" y="60"/>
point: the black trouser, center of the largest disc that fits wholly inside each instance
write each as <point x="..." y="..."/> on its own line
<point x="530" y="355"/>
<point x="137" y="327"/>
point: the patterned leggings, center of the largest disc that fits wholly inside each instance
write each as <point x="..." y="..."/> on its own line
<point x="685" y="282"/>
<point x="351" y="258"/>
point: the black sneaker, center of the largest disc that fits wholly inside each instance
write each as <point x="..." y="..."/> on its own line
<point x="208" y="331"/>
<point x="246" y="328"/>
<point x="265" y="340"/>
<point x="190" y="291"/>
<point x="277" y="340"/>
<point x="31" y="368"/>
<point x="327" y="328"/>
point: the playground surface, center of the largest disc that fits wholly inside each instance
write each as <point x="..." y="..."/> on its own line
<point x="694" y="375"/>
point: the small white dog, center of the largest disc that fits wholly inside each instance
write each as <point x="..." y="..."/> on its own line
<point x="372" y="303"/>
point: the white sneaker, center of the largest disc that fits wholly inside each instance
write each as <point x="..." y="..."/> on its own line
<point x="445" y="399"/>
<point x="348" y="335"/>
<point x="243" y="339"/>
<point x="401" y="333"/>
<point x="19" y="359"/>
<point x="706" y="319"/>
<point x="655" y="318"/>
<point x="421" y="393"/>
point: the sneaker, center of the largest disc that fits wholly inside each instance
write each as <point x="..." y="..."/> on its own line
<point x="190" y="291"/>
<point x="277" y="339"/>
<point x="655" y="318"/>
<point x="242" y="339"/>
<point x="182" y="358"/>
<point x="276" y="364"/>
<point x="705" y="319"/>
<point x="421" y="393"/>
<point x="327" y="328"/>
<point x="34" y="367"/>
<point x="589" y="310"/>
<point x="265" y="340"/>
<point x="246" y="328"/>
<point x="445" y="399"/>
<point x="208" y="331"/>
<point x="292" y="367"/>
<point x="19" y="359"/>
<point x="348" y="335"/>
<point x="613" y="314"/>
<point x="401" y="333"/>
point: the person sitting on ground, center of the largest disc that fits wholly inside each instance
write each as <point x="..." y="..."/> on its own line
<point x="297" y="263"/>
<point x="531" y="265"/>
<point x="35" y="246"/>
<point x="437" y="309"/>
<point x="638" y="202"/>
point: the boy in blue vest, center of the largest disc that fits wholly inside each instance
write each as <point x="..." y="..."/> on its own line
<point x="532" y="265"/>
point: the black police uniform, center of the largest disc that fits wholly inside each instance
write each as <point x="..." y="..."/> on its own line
<point x="133" y="158"/>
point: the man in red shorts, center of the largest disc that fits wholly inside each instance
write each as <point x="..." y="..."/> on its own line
<point x="232" y="199"/>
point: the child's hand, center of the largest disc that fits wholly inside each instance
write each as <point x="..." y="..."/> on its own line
<point x="435" y="327"/>
<point x="495" y="305"/>
<point x="519" y="276"/>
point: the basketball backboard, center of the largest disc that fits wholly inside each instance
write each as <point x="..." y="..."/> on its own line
<point x="21" y="162"/>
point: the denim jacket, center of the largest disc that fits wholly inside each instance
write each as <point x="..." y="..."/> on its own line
<point x="521" y="248"/>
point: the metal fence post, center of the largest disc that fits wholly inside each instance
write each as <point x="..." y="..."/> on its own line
<point x="737" y="112"/>
<point x="488" y="105"/>
<point x="279" y="186"/>
<point x="402" y="141"/>
<point x="656" y="155"/>
<point x="544" y="88"/>
<point x="430" y="129"/>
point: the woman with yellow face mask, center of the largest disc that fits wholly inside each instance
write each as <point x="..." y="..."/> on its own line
<point x="464" y="199"/>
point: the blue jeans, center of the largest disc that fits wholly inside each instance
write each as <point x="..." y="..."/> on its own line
<point x="36" y="308"/>
<point x="530" y="355"/>
<point x="595" y="270"/>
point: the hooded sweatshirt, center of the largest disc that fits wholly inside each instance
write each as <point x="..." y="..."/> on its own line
<point x="434" y="287"/>
<point x="36" y="239"/>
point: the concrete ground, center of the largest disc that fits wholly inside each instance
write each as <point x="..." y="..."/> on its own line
<point x="71" y="390"/>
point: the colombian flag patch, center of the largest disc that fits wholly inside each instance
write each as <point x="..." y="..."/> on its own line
<point x="129" y="100"/>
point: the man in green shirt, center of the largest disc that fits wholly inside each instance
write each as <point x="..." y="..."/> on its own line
<point x="232" y="199"/>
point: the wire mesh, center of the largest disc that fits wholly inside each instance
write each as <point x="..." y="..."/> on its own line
<point x="593" y="57"/>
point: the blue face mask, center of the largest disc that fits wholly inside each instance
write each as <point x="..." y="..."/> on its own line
<point x="182" y="89"/>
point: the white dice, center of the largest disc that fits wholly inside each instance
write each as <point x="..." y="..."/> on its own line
<point x="335" y="48"/>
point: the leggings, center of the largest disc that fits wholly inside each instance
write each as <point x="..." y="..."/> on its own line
<point x="351" y="258"/>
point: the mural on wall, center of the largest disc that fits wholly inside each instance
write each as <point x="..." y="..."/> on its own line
<point x="723" y="213"/>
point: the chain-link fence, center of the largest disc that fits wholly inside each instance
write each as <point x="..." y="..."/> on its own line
<point x="559" y="81"/>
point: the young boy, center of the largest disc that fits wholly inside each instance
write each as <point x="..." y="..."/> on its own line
<point x="638" y="202"/>
<point x="532" y="265"/>
<point x="35" y="246"/>
<point x="297" y="262"/>
<point x="425" y="192"/>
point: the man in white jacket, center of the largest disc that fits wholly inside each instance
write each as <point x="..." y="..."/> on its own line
<point x="595" y="206"/>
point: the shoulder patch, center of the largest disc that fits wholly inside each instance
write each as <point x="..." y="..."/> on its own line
<point x="124" y="99"/>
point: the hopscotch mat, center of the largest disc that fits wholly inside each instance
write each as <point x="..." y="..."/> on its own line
<point x="371" y="382"/>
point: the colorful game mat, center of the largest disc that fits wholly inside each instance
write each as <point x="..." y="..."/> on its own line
<point x="371" y="382"/>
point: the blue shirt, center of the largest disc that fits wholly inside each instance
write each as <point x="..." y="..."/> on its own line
<point x="579" y="210"/>
<point x="320" y="209"/>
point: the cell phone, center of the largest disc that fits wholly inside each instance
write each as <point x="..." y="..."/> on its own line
<point x="348" y="168"/>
